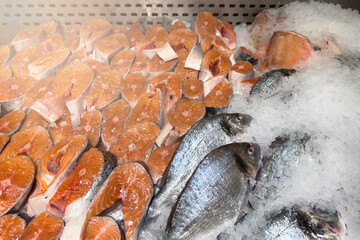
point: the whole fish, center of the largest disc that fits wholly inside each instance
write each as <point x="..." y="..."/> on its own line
<point x="215" y="192"/>
<point x="205" y="136"/>
<point x="270" y="81"/>
<point x="286" y="150"/>
<point x="308" y="224"/>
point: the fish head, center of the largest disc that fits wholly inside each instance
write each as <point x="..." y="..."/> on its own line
<point x="235" y="123"/>
<point x="248" y="157"/>
<point x="323" y="223"/>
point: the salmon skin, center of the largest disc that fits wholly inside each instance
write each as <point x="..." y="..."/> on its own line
<point x="223" y="174"/>
<point x="205" y="136"/>
<point x="31" y="36"/>
<point x="11" y="227"/>
<point x="303" y="223"/>
<point x="243" y="54"/>
<point x="270" y="81"/>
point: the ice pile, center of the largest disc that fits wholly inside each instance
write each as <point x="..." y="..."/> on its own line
<point x="321" y="99"/>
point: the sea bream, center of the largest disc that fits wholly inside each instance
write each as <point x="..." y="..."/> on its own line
<point x="205" y="136"/>
<point x="216" y="191"/>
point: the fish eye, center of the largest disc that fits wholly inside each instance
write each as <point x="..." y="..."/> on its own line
<point x="251" y="150"/>
<point x="239" y="118"/>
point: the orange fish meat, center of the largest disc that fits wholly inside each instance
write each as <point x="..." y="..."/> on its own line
<point x="4" y="139"/>
<point x="16" y="178"/>
<point x="154" y="38"/>
<point x="215" y="42"/>
<point x="52" y="27"/>
<point x="134" y="86"/>
<point x="227" y="33"/>
<point x="52" y="42"/>
<point x="5" y="54"/>
<point x="11" y="227"/>
<point x="287" y="50"/>
<point x="103" y="228"/>
<point x="193" y="88"/>
<point x="90" y="126"/>
<point x="29" y="36"/>
<point x="238" y="72"/>
<point x="170" y="85"/>
<point x="105" y="89"/>
<point x="11" y="122"/>
<point x="205" y="25"/>
<point x="32" y="142"/>
<point x="134" y="34"/>
<point x="123" y="61"/>
<point x="78" y="183"/>
<point x="177" y="25"/>
<point x="147" y="108"/>
<point x="37" y="92"/>
<point x="63" y="128"/>
<point x="156" y="65"/>
<point x="92" y="31"/>
<point x="119" y="29"/>
<point x="132" y="184"/>
<point x="114" y="118"/>
<point x="135" y="142"/>
<point x="21" y="60"/>
<point x="33" y="118"/>
<point x="5" y="73"/>
<point x="219" y="96"/>
<point x="182" y="38"/>
<point x="180" y="68"/>
<point x="159" y="160"/>
<point x="96" y="66"/>
<point x="140" y="65"/>
<point x="45" y="226"/>
<point x="108" y="46"/>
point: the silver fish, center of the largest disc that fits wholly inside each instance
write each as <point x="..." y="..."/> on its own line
<point x="298" y="224"/>
<point x="205" y="136"/>
<point x="216" y="191"/>
<point x="270" y="81"/>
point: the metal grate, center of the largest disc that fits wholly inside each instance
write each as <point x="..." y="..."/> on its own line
<point x="18" y="14"/>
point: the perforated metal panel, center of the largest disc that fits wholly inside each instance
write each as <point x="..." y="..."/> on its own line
<point x="18" y="14"/>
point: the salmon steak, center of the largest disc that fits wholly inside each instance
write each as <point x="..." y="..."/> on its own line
<point x="238" y="72"/>
<point x="62" y="129"/>
<point x="5" y="73"/>
<point x="78" y="183"/>
<point x="147" y="108"/>
<point x="182" y="38"/>
<point x="91" y="32"/>
<point x="44" y="226"/>
<point x="21" y="60"/>
<point x="154" y="38"/>
<point x="16" y="179"/>
<point x="5" y="54"/>
<point x="115" y="116"/>
<point x="131" y="184"/>
<point x="193" y="88"/>
<point x="13" y="91"/>
<point x="177" y="25"/>
<point x="36" y="92"/>
<point x="134" y="86"/>
<point x="180" y="68"/>
<point x="226" y="33"/>
<point x="33" y="118"/>
<point x="55" y="166"/>
<point x="159" y="159"/>
<point x="171" y="88"/>
<point x="11" y="227"/>
<point x="77" y="77"/>
<point x="90" y="126"/>
<point x="103" y="228"/>
<point x="135" y="142"/>
<point x="31" y="36"/>
<point x="96" y="66"/>
<point x="52" y="42"/>
<point x="49" y="63"/>
<point x="215" y="42"/>
<point x="32" y="142"/>
<point x="134" y="34"/>
<point x="156" y="65"/>
<point x="205" y="25"/>
<point x="11" y="122"/>
<point x="52" y="27"/>
<point x="119" y="29"/>
<point x="219" y="96"/>
<point x="104" y="90"/>
<point x="123" y="61"/>
<point x="72" y="40"/>
<point x="108" y="46"/>
<point x="4" y="139"/>
<point x="140" y="65"/>
<point x="215" y="64"/>
<point x="287" y="50"/>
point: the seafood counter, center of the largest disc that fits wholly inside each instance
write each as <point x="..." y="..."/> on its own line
<point x="109" y="132"/>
